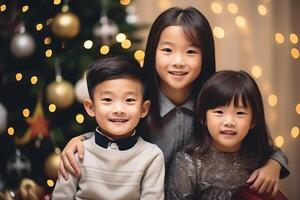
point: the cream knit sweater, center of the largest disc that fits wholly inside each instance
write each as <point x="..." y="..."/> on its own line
<point x="106" y="174"/>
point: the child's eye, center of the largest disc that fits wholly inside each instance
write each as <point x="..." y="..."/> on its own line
<point x="106" y="99"/>
<point x="130" y="100"/>
<point x="191" y="51"/>
<point x="218" y="112"/>
<point x="241" y="113"/>
<point x="168" y="50"/>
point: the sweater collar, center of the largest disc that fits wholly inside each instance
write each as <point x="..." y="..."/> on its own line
<point x="120" y="144"/>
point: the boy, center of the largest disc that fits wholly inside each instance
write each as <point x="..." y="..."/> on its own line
<point x="118" y="164"/>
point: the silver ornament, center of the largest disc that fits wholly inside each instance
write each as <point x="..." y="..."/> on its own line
<point x="81" y="90"/>
<point x="105" y="30"/>
<point x="18" y="166"/>
<point x="22" y="45"/>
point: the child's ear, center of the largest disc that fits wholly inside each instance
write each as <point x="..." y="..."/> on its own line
<point x="145" y="108"/>
<point x="89" y="107"/>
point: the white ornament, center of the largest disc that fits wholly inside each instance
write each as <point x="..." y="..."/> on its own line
<point x="22" y="44"/>
<point x="3" y="118"/>
<point x="105" y="30"/>
<point x="81" y="90"/>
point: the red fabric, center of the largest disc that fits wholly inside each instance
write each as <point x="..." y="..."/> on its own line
<point x="244" y="193"/>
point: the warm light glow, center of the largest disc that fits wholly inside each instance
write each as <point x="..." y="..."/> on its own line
<point x="25" y="8"/>
<point x="34" y="80"/>
<point x="104" y="49"/>
<point x="26" y="112"/>
<point x="279" y="38"/>
<point x="126" y="44"/>
<point x="10" y="131"/>
<point x="56" y="2"/>
<point x="19" y="76"/>
<point x="50" y="183"/>
<point x="47" y="40"/>
<point x="279" y="141"/>
<point x="232" y="8"/>
<point x="298" y="108"/>
<point x="256" y="71"/>
<point x="139" y="55"/>
<point x="39" y="27"/>
<point x="240" y="21"/>
<point x="262" y="10"/>
<point x="79" y="118"/>
<point x="52" y="107"/>
<point x="216" y="7"/>
<point x="88" y="44"/>
<point x="120" y="37"/>
<point x="295" y="53"/>
<point x="124" y="2"/>
<point x="295" y="132"/>
<point x="48" y="53"/>
<point x="219" y="32"/>
<point x="293" y="38"/>
<point x="2" y="7"/>
<point x="272" y="100"/>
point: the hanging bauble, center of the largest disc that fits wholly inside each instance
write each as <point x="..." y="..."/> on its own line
<point x="3" y="118"/>
<point x="22" y="43"/>
<point x="30" y="190"/>
<point x="81" y="90"/>
<point x="65" y="24"/>
<point x="18" y="166"/>
<point x="131" y="17"/>
<point x="105" y="30"/>
<point x="60" y="93"/>
<point x="51" y="165"/>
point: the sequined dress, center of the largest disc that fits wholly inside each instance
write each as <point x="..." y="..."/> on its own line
<point x="215" y="176"/>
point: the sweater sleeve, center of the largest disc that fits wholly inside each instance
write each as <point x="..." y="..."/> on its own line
<point x="152" y="186"/>
<point x="65" y="189"/>
<point x="281" y="158"/>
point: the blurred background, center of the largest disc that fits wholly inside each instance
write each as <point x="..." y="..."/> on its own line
<point x="46" y="45"/>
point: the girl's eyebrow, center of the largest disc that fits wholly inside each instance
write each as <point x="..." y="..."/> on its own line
<point x="166" y="43"/>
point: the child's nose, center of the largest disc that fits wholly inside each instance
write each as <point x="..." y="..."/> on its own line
<point x="118" y="108"/>
<point x="178" y="60"/>
<point x="229" y="121"/>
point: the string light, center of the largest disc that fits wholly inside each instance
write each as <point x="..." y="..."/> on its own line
<point x="48" y="53"/>
<point x="126" y="44"/>
<point x="124" y="2"/>
<point x="50" y="183"/>
<point x="25" y="8"/>
<point x="2" y="7"/>
<point x="272" y="100"/>
<point x="19" y="76"/>
<point x="295" y="132"/>
<point x="56" y="2"/>
<point x="279" y="141"/>
<point x="52" y="107"/>
<point x="26" y="112"/>
<point x="120" y="37"/>
<point x="293" y="38"/>
<point x="39" y="26"/>
<point x="219" y="32"/>
<point x="240" y="21"/>
<point x="216" y="7"/>
<point x="88" y="44"/>
<point x="104" y="49"/>
<point x="256" y="71"/>
<point x="10" y="131"/>
<point x="262" y="10"/>
<point x="47" y="40"/>
<point x="298" y="108"/>
<point x="79" y="118"/>
<point x="34" y="80"/>
<point x="295" y="53"/>
<point x="139" y="55"/>
<point x="279" y="38"/>
<point x="232" y="8"/>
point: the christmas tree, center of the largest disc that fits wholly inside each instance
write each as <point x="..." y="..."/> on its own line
<point x="45" y="49"/>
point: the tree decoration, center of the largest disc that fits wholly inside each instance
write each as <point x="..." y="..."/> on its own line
<point x="18" y="166"/>
<point x="66" y="24"/>
<point x="38" y="125"/>
<point x="30" y="190"/>
<point x="51" y="164"/>
<point x="81" y="90"/>
<point x="3" y="118"/>
<point x="22" y="43"/>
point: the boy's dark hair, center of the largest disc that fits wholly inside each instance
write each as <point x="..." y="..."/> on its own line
<point x="222" y="88"/>
<point x="112" y="67"/>
<point x="197" y="29"/>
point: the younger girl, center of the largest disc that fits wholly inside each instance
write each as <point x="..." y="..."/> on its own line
<point x="179" y="58"/>
<point x="231" y="140"/>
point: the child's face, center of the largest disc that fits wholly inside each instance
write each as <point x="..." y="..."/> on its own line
<point x="228" y="126"/>
<point x="117" y="106"/>
<point x="178" y="62"/>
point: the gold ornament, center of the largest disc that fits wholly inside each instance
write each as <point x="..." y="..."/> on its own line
<point x="65" y="25"/>
<point x="60" y="93"/>
<point x="51" y="165"/>
<point x="29" y="190"/>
